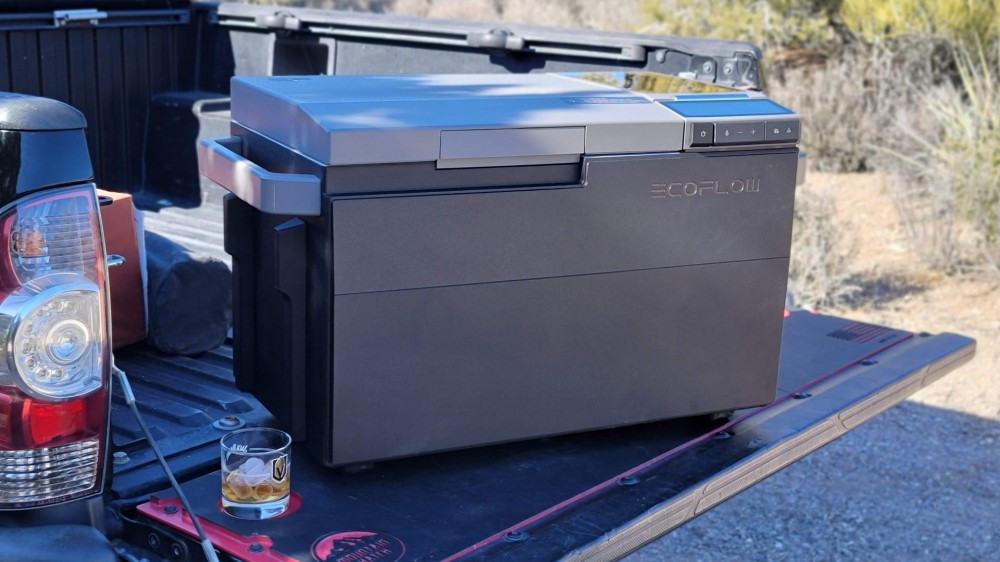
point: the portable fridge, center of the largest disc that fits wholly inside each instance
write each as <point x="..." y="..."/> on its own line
<point x="431" y="262"/>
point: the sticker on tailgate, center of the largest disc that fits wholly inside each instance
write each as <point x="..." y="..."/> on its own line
<point x="358" y="546"/>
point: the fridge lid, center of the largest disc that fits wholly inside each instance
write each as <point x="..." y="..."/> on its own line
<point x="457" y="120"/>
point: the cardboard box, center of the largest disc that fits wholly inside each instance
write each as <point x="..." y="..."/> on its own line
<point x="123" y="236"/>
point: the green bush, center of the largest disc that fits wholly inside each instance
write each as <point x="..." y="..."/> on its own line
<point x="766" y="23"/>
<point x="969" y="22"/>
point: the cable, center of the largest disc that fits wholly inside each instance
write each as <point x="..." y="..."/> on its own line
<point x="206" y="544"/>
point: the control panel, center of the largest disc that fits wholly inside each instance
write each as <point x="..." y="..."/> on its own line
<point x="736" y="119"/>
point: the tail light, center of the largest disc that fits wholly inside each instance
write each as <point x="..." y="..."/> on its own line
<point x="54" y="348"/>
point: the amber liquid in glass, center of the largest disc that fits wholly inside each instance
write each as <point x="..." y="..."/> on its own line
<point x="237" y="489"/>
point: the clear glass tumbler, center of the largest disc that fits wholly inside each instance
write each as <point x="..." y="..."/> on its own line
<point x="256" y="472"/>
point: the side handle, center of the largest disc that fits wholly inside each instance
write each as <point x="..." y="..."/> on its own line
<point x="222" y="161"/>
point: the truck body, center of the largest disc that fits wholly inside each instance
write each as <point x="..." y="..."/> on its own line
<point x="152" y="78"/>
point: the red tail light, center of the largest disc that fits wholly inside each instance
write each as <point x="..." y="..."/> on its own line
<point x="54" y="349"/>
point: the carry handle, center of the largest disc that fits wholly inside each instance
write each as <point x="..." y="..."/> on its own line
<point x="222" y="161"/>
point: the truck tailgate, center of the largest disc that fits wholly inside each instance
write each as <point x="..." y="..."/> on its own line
<point x="592" y="496"/>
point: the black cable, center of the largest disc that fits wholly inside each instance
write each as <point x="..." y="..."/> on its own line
<point x="206" y="544"/>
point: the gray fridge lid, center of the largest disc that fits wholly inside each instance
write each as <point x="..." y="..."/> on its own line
<point x="457" y="120"/>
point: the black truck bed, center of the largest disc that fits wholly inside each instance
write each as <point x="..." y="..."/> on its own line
<point x="592" y="496"/>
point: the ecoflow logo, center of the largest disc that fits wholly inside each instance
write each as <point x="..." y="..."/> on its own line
<point x="704" y="188"/>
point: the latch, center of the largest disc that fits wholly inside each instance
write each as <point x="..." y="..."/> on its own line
<point x="739" y="71"/>
<point x="499" y="39"/>
<point x="88" y="16"/>
<point x="279" y="20"/>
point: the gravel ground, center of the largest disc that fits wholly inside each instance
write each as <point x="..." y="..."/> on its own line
<point x="920" y="482"/>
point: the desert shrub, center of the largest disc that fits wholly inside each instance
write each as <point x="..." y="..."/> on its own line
<point x="837" y="113"/>
<point x="448" y="9"/>
<point x="766" y="23"/>
<point x="350" y="5"/>
<point x="954" y="173"/>
<point x="971" y="21"/>
<point x="598" y="14"/>
<point x="818" y="275"/>
<point x="926" y="205"/>
<point x="720" y="19"/>
<point x="853" y="102"/>
<point x="970" y="146"/>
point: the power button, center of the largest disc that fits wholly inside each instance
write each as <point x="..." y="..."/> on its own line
<point x="704" y="134"/>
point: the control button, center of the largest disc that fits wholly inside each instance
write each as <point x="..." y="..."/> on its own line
<point x="739" y="133"/>
<point x="782" y="131"/>
<point x="703" y="135"/>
